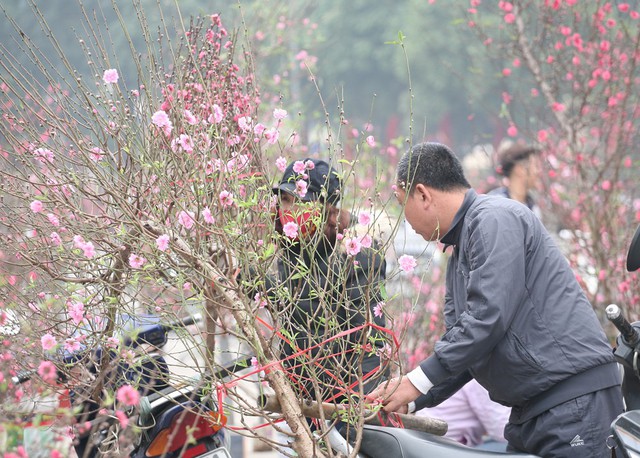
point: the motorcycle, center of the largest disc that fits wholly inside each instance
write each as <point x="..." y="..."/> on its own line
<point x="181" y="421"/>
<point x="174" y="420"/>
<point x="625" y="430"/>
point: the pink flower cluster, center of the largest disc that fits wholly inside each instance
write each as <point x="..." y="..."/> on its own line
<point x="110" y="76"/>
<point x="128" y="396"/>
<point x="290" y="229"/>
<point x="407" y="263"/>
<point x="86" y="247"/>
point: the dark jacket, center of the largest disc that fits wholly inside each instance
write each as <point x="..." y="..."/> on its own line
<point x="332" y="293"/>
<point x="503" y="191"/>
<point x="516" y="318"/>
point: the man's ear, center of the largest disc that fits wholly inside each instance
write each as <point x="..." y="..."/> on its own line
<point x="423" y="194"/>
<point x="520" y="168"/>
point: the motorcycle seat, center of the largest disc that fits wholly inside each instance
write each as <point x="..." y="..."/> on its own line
<point x="378" y="441"/>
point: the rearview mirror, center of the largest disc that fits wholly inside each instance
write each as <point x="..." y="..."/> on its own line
<point x="633" y="256"/>
<point x="626" y="431"/>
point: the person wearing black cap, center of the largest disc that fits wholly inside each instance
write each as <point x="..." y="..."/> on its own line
<point x="328" y="290"/>
<point x="519" y="165"/>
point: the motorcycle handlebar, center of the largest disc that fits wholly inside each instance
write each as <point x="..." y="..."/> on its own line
<point x="22" y="377"/>
<point x="184" y="322"/>
<point x="628" y="332"/>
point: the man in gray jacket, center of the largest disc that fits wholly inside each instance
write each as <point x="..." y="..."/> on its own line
<point x="517" y="320"/>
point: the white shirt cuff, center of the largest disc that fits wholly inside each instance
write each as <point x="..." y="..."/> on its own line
<point x="411" y="407"/>
<point x="418" y="378"/>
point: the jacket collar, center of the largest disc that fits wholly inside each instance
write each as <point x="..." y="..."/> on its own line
<point x="452" y="237"/>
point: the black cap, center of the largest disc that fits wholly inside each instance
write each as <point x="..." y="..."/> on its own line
<point x="323" y="182"/>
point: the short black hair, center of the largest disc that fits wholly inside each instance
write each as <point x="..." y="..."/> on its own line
<point x="431" y="164"/>
<point x="515" y="153"/>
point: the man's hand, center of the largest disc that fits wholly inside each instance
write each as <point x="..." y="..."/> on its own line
<point x="396" y="394"/>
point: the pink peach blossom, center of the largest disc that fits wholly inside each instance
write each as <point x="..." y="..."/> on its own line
<point x="226" y="199"/>
<point x="279" y="113"/>
<point x="55" y="239"/>
<point x="122" y="419"/>
<point x="43" y="155"/>
<point x="47" y="371"/>
<point x="36" y="206"/>
<point x="96" y="154"/>
<point x="281" y="163"/>
<point x="136" y="261"/>
<point x="216" y="114"/>
<point x="162" y="242"/>
<point x="72" y="345"/>
<point x="186" y="143"/>
<point x="259" y="129"/>
<point x="186" y="219"/>
<point x="272" y="136"/>
<point x="75" y="309"/>
<point x="364" y="218"/>
<point x="407" y="263"/>
<point x="290" y="230"/>
<point x="110" y="76"/>
<point x="128" y="395"/>
<point x="161" y="119"/>
<point x="48" y="342"/>
<point x="53" y="219"/>
<point x="353" y="246"/>
<point x="301" y="188"/>
<point x="366" y="241"/>
<point x="88" y="250"/>
<point x="208" y="217"/>
<point x="244" y="123"/>
<point x="190" y="118"/>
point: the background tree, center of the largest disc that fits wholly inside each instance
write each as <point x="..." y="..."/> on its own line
<point x="138" y="159"/>
<point x="572" y="75"/>
<point x="145" y="188"/>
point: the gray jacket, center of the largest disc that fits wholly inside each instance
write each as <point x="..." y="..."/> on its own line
<point x="517" y="320"/>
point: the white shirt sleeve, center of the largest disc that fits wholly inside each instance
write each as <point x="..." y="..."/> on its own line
<point x="418" y="378"/>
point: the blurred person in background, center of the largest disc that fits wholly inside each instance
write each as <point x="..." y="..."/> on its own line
<point x="473" y="418"/>
<point x="520" y="167"/>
